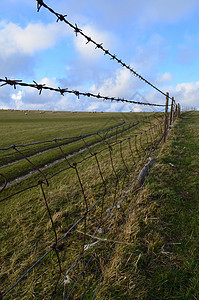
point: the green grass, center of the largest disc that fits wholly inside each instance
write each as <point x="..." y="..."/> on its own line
<point x="19" y="128"/>
<point x="163" y="260"/>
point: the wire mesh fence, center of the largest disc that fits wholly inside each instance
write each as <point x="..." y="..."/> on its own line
<point x="80" y="226"/>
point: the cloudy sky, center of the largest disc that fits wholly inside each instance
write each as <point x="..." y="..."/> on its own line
<point x="159" y="39"/>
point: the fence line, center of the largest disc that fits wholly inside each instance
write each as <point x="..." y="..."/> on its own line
<point x="140" y="147"/>
<point x="108" y="209"/>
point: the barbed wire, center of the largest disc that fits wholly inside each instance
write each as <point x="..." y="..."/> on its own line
<point x="40" y="87"/>
<point x="77" y="30"/>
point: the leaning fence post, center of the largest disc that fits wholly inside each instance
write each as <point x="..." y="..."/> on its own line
<point x="166" y="116"/>
<point x="171" y="112"/>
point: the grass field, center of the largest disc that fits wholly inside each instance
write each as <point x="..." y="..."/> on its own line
<point x="19" y="127"/>
<point x="161" y="260"/>
<point x="26" y="230"/>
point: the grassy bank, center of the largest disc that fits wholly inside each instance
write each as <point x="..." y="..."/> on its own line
<point x="161" y="259"/>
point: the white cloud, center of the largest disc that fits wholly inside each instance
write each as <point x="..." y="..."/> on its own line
<point x="164" y="78"/>
<point x="17" y="99"/>
<point x="187" y="93"/>
<point x="120" y="84"/>
<point x="34" y="37"/>
<point x="94" y="106"/>
<point x="166" y="10"/>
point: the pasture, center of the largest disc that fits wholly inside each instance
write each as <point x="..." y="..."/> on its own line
<point x="19" y="128"/>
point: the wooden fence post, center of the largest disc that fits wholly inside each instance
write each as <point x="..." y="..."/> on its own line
<point x="171" y="112"/>
<point x="175" y="111"/>
<point x="166" y="117"/>
<point x="178" y="109"/>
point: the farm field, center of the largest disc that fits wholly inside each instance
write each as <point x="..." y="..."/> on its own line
<point x="23" y="127"/>
<point x="103" y="167"/>
<point x="160" y="260"/>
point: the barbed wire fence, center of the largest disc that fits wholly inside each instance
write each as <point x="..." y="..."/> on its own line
<point x="104" y="182"/>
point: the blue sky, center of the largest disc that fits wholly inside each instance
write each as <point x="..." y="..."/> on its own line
<point x="159" y="39"/>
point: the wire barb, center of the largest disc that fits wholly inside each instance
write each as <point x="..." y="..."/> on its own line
<point x="39" y="86"/>
<point x="60" y="17"/>
<point x="77" y="30"/>
<point x="40" y="3"/>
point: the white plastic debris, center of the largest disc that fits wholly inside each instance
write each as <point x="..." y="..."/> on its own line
<point x="67" y="280"/>
<point x="100" y="230"/>
<point x="170" y="164"/>
<point x="86" y="247"/>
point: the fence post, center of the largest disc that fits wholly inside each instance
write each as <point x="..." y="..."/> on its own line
<point x="178" y="110"/>
<point x="175" y="111"/>
<point x="171" y="112"/>
<point x="166" y="117"/>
